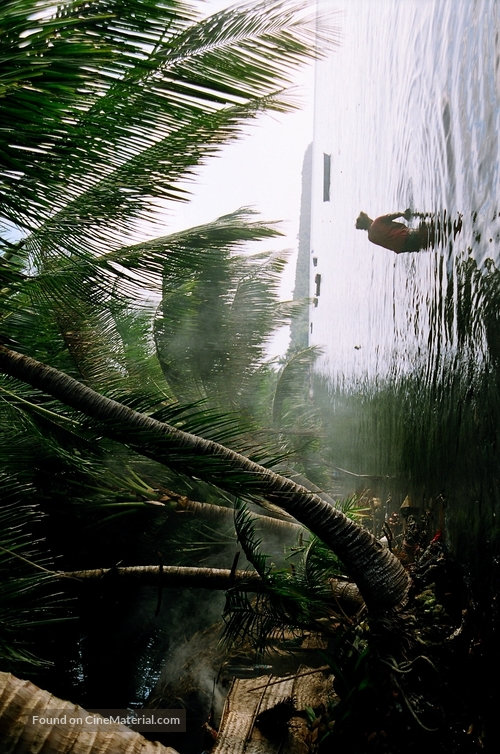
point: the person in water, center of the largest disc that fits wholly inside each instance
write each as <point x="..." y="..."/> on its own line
<point x="397" y="237"/>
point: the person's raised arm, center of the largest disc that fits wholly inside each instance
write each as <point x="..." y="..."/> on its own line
<point x="407" y="214"/>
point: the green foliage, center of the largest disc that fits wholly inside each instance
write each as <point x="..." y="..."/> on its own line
<point x="215" y="322"/>
<point x="291" y="393"/>
<point x="122" y="100"/>
<point x="245" y="532"/>
<point x="198" y="542"/>
<point x="296" y="599"/>
<point x="217" y="315"/>
<point x="141" y="94"/>
<point x="108" y="107"/>
<point x="105" y="104"/>
<point x="29" y="592"/>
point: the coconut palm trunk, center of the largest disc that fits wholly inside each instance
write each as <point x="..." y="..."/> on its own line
<point x="218" y="513"/>
<point x="380" y="577"/>
<point x="184" y="577"/>
<point x="279" y="522"/>
<point x="20" y="699"/>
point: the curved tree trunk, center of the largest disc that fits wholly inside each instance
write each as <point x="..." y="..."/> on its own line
<point x="185" y="577"/>
<point x="380" y="577"/>
<point x="20" y="699"/>
<point x="214" y="512"/>
<point x="345" y="593"/>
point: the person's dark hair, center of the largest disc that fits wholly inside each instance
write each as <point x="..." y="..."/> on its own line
<point x="363" y="222"/>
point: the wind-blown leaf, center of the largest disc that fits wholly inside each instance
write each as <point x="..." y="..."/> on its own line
<point x="292" y="380"/>
<point x="214" y="324"/>
<point x="27" y="587"/>
<point x="245" y="531"/>
<point x="118" y="100"/>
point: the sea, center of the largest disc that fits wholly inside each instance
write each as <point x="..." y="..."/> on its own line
<point x="407" y="112"/>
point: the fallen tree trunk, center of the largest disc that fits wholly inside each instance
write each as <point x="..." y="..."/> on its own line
<point x="18" y="735"/>
<point x="380" y="577"/>
<point x="175" y="576"/>
<point x="214" y="512"/>
<point x="202" y="578"/>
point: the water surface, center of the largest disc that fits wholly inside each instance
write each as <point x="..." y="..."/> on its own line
<point x="408" y="109"/>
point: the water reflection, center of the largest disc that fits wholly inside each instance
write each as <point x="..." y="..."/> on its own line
<point x="430" y="434"/>
<point x="413" y="340"/>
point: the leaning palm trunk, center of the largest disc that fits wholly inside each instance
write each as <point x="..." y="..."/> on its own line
<point x="380" y="577"/>
<point x="186" y="577"/>
<point x="174" y="576"/>
<point x="214" y="512"/>
<point x="20" y="699"/>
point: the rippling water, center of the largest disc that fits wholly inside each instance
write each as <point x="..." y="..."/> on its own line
<point x="408" y="108"/>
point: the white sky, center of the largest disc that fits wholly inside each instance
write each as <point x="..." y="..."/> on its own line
<point x="262" y="170"/>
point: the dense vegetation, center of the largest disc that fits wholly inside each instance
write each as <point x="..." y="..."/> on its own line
<point x="106" y="108"/>
<point x="137" y="405"/>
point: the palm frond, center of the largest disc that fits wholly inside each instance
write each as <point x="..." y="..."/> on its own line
<point x="171" y="258"/>
<point x="82" y="300"/>
<point x="296" y="600"/>
<point x="28" y="591"/>
<point x="136" y="88"/>
<point x="254" y="620"/>
<point x="245" y="532"/>
<point x="213" y="326"/>
<point x="292" y="382"/>
<point x="317" y="564"/>
<point x="213" y="55"/>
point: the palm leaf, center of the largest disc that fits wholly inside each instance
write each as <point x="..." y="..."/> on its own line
<point x="292" y="382"/>
<point x="28" y="592"/>
<point x="175" y="256"/>
<point x="245" y="531"/>
<point x="214" y="325"/>
<point x="292" y="600"/>
<point x="379" y="575"/>
<point x="144" y="93"/>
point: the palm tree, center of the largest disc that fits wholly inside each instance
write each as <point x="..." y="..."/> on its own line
<point x="149" y="93"/>
<point x="213" y="325"/>
<point x="17" y="702"/>
<point x="378" y="574"/>
<point x="120" y="103"/>
<point x="107" y="107"/>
